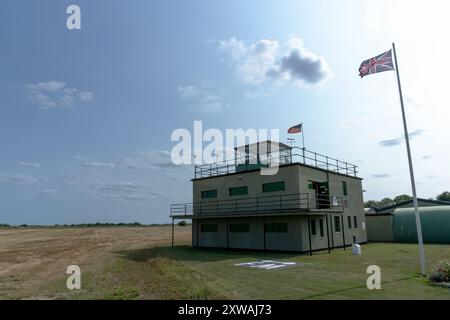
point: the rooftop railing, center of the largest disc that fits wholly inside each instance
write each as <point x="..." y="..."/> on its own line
<point x="297" y="155"/>
<point x="260" y="205"/>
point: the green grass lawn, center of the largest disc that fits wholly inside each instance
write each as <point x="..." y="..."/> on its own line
<point x="183" y="272"/>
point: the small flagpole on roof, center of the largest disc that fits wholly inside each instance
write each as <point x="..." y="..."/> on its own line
<point x="411" y="171"/>
<point x="303" y="142"/>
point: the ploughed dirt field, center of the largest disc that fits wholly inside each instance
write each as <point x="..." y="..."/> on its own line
<point x="33" y="261"/>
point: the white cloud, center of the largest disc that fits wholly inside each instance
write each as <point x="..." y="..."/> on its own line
<point x="118" y="187"/>
<point x="86" y="96"/>
<point x="29" y="164"/>
<point x="98" y="164"/>
<point x="18" y="179"/>
<point x="149" y="160"/>
<point x="49" y="86"/>
<point x="55" y="94"/>
<point x="252" y="62"/>
<point x="49" y="192"/>
<point x="189" y="92"/>
<point x="261" y="61"/>
<point x="202" y="100"/>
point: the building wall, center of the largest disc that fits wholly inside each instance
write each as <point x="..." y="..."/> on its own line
<point x="253" y="180"/>
<point x="290" y="241"/>
<point x="353" y="202"/>
<point x="317" y="242"/>
<point x="296" y="179"/>
<point x="379" y="228"/>
<point x="435" y="223"/>
<point x="295" y="239"/>
<point x="254" y="239"/>
<point x="209" y="239"/>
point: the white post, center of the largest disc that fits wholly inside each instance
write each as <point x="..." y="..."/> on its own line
<point x="303" y="142"/>
<point x="411" y="172"/>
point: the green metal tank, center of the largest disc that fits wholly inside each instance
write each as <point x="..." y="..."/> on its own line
<point x="435" y="223"/>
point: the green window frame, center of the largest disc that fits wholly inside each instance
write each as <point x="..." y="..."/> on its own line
<point x="238" y="191"/>
<point x="208" y="227"/>
<point x="349" y="220"/>
<point x="337" y="223"/>
<point x="207" y="194"/>
<point x="273" y="186"/>
<point x="344" y="188"/>
<point x="313" y="227"/>
<point x="321" y="229"/>
<point x="355" y="222"/>
<point x="276" y="227"/>
<point x="239" y="227"/>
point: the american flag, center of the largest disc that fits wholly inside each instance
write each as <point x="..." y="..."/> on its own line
<point x="380" y="63"/>
<point x="296" y="129"/>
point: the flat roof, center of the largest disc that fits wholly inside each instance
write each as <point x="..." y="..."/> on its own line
<point x="281" y="145"/>
<point x="281" y="166"/>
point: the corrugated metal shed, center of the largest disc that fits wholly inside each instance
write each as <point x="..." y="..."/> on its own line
<point x="435" y="223"/>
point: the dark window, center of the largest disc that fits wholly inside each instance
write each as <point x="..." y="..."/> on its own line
<point x="209" y="194"/>
<point x="344" y="188"/>
<point x="239" y="228"/>
<point x="313" y="228"/>
<point x="349" y="219"/>
<point x="277" y="227"/>
<point x="337" y="223"/>
<point x="355" y="222"/>
<point x="208" y="227"/>
<point x="239" y="191"/>
<point x="322" y="234"/>
<point x="273" y="187"/>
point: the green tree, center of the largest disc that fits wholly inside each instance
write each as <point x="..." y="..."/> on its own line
<point x="402" y="198"/>
<point x="444" y="196"/>
<point x="371" y="203"/>
<point x="386" y="202"/>
<point x="182" y="223"/>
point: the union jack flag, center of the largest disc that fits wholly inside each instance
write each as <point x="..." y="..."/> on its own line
<point x="380" y="63"/>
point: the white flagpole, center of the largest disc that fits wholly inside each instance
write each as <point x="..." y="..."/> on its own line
<point x="303" y="142"/>
<point x="411" y="172"/>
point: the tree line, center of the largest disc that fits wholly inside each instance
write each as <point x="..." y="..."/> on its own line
<point x="444" y="196"/>
<point x="85" y="225"/>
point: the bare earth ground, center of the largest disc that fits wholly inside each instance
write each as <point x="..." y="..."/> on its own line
<point x="31" y="259"/>
<point x="139" y="263"/>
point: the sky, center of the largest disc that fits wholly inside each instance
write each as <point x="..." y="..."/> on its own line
<point x="86" y="116"/>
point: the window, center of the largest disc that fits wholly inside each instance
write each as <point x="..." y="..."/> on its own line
<point x="273" y="187"/>
<point x="337" y="223"/>
<point x="209" y="194"/>
<point x="349" y="219"/>
<point x="239" y="228"/>
<point x="322" y="234"/>
<point x="344" y="188"/>
<point x="276" y="227"/>
<point x="355" y="222"/>
<point x="208" y="227"/>
<point x="313" y="228"/>
<point x="238" y="191"/>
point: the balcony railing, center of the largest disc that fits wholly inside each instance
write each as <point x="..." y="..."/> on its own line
<point x="266" y="204"/>
<point x="298" y="155"/>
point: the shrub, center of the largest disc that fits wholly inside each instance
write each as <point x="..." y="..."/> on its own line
<point x="182" y="223"/>
<point x="441" y="272"/>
